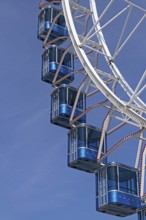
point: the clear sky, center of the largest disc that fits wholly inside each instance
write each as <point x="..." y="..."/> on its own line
<point x="35" y="182"/>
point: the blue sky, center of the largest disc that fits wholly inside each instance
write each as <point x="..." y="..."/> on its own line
<point x="35" y="181"/>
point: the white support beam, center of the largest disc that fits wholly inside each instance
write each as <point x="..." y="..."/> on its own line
<point x="77" y="97"/>
<point x="132" y="32"/>
<point x="143" y="173"/>
<point x="101" y="16"/>
<point x="116" y="128"/>
<point x="102" y="139"/>
<point x="111" y="20"/>
<point x="139" y="151"/>
<point x="122" y="33"/>
<point x="137" y="88"/>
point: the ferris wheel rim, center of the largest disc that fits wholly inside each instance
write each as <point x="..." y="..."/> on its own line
<point x="139" y="119"/>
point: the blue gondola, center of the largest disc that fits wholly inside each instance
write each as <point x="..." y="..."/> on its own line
<point x="117" y="190"/>
<point x="45" y="20"/>
<point x="83" y="143"/>
<point x="50" y="62"/>
<point x="142" y="213"/>
<point x="62" y="101"/>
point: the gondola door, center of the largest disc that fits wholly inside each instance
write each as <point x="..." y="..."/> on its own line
<point x="102" y="188"/>
<point x="73" y="145"/>
<point x="55" y="104"/>
<point x="45" y="65"/>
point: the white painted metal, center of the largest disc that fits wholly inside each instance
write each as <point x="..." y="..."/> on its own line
<point x="137" y="88"/>
<point x="122" y="33"/>
<point x="77" y="43"/>
<point x="112" y="65"/>
<point x="102" y="139"/>
<point x="77" y="98"/>
<point x="138" y="152"/>
<point x="143" y="172"/>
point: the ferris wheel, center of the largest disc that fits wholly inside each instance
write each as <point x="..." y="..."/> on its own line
<point x="93" y="56"/>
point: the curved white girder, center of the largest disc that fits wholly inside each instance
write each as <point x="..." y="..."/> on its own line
<point x="93" y="74"/>
<point x="112" y="65"/>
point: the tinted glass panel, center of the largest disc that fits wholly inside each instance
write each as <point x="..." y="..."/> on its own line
<point x="71" y="96"/>
<point x="48" y="14"/>
<point x="93" y="139"/>
<point x="63" y="95"/>
<point x="52" y="54"/>
<point x="102" y="183"/>
<point x="54" y="101"/>
<point x="45" y="63"/>
<point x="82" y="137"/>
<point x="72" y="141"/>
<point x="61" y="21"/>
<point x="59" y="54"/>
<point x="127" y="181"/>
<point x="54" y="14"/>
<point x="67" y="60"/>
<point x="112" y="178"/>
<point x="80" y="104"/>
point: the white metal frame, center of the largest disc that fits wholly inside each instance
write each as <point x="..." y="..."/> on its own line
<point x="116" y="101"/>
<point x="131" y="111"/>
